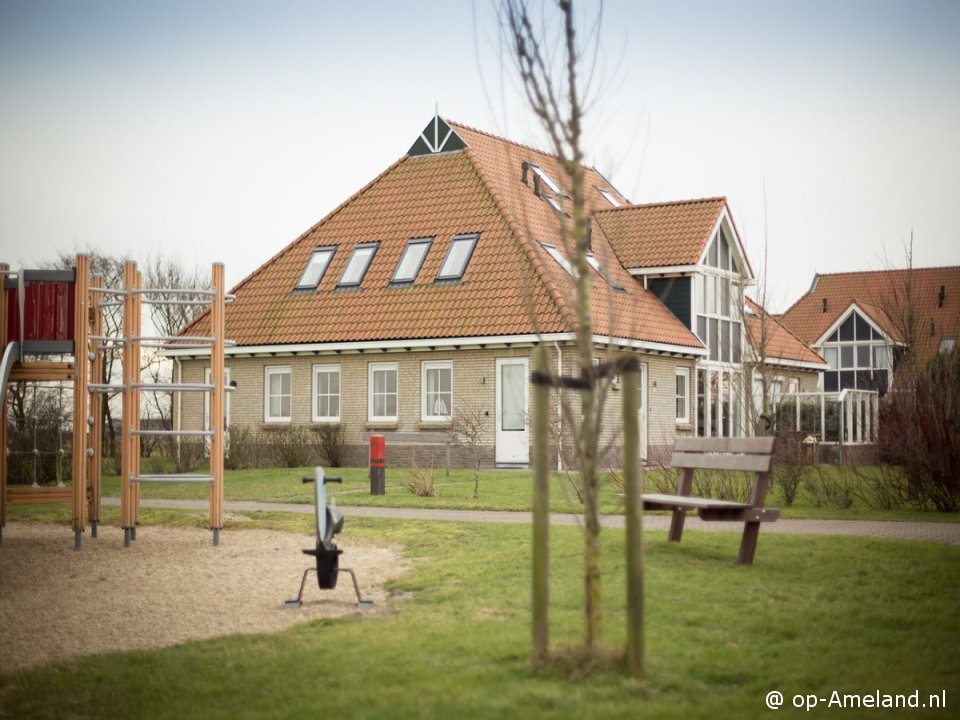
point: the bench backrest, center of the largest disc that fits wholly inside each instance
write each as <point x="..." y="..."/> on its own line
<point x="754" y="454"/>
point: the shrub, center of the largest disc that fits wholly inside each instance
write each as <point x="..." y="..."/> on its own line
<point x="289" y="446"/>
<point x="828" y="489"/>
<point x="244" y="449"/>
<point x="790" y="464"/>
<point x="329" y="440"/>
<point x="421" y="482"/>
<point x="919" y="432"/>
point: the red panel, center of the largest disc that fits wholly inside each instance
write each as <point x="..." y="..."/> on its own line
<point x="48" y="311"/>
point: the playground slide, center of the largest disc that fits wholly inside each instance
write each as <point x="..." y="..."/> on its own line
<point x="10" y="356"/>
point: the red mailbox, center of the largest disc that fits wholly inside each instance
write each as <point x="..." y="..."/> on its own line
<point x="378" y="465"/>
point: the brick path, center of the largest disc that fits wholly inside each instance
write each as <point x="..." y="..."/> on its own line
<point x="942" y="532"/>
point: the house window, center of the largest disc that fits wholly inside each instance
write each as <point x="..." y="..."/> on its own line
<point x="358" y="264"/>
<point x="857" y="355"/>
<point x="413" y="257"/>
<point x="383" y="391"/>
<point x="455" y="263"/>
<point x="226" y="399"/>
<point x="276" y="401"/>
<point x="548" y="180"/>
<point x="947" y="345"/>
<point x="604" y="273"/>
<point x="326" y="393"/>
<point x="437" y="384"/>
<point x="316" y="267"/>
<point x="683" y="395"/>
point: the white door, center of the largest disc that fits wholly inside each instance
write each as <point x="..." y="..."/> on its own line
<point x="513" y="434"/>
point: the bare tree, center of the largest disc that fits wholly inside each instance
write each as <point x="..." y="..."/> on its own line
<point x="549" y="58"/>
<point x="468" y="428"/>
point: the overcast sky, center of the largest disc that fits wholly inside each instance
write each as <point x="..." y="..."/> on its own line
<point x="222" y="130"/>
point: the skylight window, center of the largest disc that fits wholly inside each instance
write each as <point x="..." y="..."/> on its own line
<point x="610" y="279"/>
<point x="316" y="267"/>
<point x="412" y="259"/>
<point x="609" y="197"/>
<point x="555" y="204"/>
<point x="455" y="263"/>
<point x="559" y="257"/>
<point x="548" y="180"/>
<point x="357" y="267"/>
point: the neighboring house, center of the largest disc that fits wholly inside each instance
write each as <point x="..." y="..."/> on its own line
<point x="868" y="324"/>
<point x="427" y="290"/>
<point x="780" y="364"/>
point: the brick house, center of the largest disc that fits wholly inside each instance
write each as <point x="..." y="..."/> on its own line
<point x="866" y="323"/>
<point x="426" y="291"/>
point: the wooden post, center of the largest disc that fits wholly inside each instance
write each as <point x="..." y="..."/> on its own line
<point x="131" y="366"/>
<point x="217" y="402"/>
<point x="633" y="490"/>
<point x="541" y="510"/>
<point x="81" y="323"/>
<point x="95" y="465"/>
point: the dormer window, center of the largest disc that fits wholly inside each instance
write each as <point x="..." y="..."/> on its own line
<point x="458" y="256"/>
<point x="412" y="260"/>
<point x="609" y="197"/>
<point x="555" y="204"/>
<point x="357" y="267"/>
<point x="316" y="267"/>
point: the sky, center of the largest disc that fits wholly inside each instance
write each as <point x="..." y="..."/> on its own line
<point x="216" y="131"/>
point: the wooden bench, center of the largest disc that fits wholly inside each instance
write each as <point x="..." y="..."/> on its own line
<point x="417" y="438"/>
<point x="739" y="454"/>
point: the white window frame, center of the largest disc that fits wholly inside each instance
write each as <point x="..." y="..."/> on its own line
<point x="685" y="374"/>
<point x="413" y="245"/>
<point x="320" y="257"/>
<point x="317" y="417"/>
<point x="356" y="269"/>
<point x="449" y="270"/>
<point x="268" y="372"/>
<point x="373" y="368"/>
<point x="425" y="410"/>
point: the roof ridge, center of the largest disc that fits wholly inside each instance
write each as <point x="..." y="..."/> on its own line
<point x="566" y="312"/>
<point x="689" y="201"/>
<point x="890" y="270"/>
<point x="521" y="145"/>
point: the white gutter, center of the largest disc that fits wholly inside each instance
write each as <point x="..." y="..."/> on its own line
<point x="435" y="344"/>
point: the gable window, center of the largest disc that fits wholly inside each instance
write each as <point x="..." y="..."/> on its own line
<point x="412" y="259"/>
<point x="276" y="394"/>
<point x="316" y="267"/>
<point x="857" y="355"/>
<point x="382" y="382"/>
<point x="358" y="264"/>
<point x="326" y="393"/>
<point x="683" y="395"/>
<point x="437" y="384"/>
<point x="455" y="263"/>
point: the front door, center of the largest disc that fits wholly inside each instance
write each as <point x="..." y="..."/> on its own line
<point x="513" y="434"/>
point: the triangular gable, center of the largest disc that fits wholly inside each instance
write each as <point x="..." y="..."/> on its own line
<point x="437" y="137"/>
<point x="876" y="319"/>
<point x="731" y="238"/>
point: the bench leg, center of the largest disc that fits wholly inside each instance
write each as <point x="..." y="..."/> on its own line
<point x="748" y="545"/>
<point x="676" y="525"/>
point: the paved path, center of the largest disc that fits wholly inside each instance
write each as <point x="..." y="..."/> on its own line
<point x="893" y="530"/>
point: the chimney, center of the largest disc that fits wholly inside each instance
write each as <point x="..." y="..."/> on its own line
<point x="526" y="169"/>
<point x="824" y="305"/>
<point x="589" y="234"/>
<point x="942" y="295"/>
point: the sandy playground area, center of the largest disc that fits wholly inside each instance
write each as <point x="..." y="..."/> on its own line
<point x="170" y="586"/>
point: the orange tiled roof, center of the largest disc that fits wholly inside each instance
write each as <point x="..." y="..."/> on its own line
<point x="662" y="234"/>
<point x="883" y="297"/>
<point x="772" y="341"/>
<point x="511" y="285"/>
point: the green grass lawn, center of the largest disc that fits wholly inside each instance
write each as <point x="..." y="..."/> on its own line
<point x="813" y="615"/>
<point x="499" y="490"/>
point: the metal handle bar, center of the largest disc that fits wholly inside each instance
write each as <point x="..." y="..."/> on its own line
<point x="326" y="480"/>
